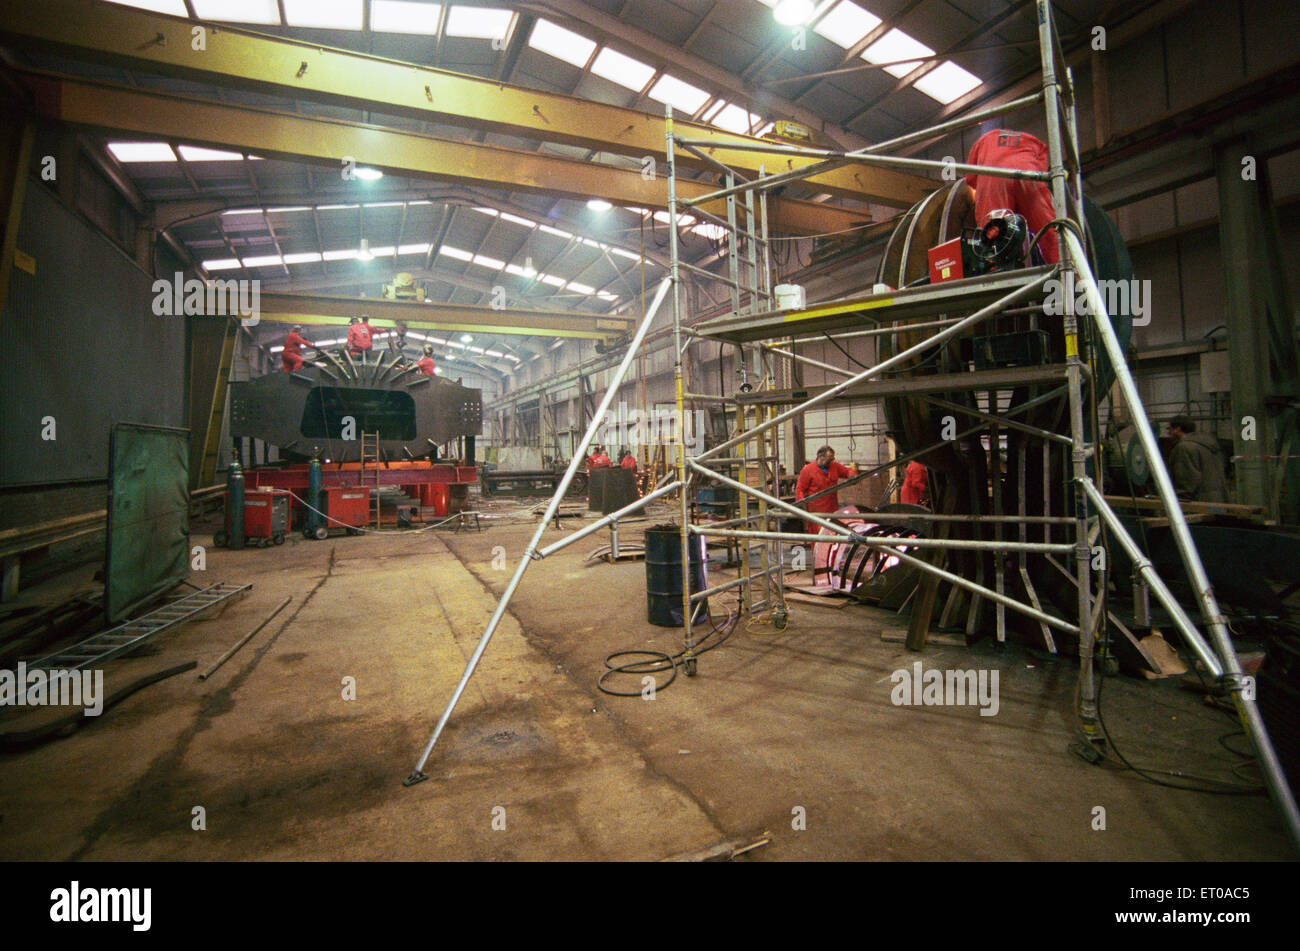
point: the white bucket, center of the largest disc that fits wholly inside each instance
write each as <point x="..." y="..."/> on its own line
<point x="790" y="297"/>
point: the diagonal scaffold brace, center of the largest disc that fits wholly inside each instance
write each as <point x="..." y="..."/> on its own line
<point x="532" y="553"/>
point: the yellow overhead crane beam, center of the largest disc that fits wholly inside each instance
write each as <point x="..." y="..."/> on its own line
<point x="289" y="308"/>
<point x="228" y="56"/>
<point x="330" y="141"/>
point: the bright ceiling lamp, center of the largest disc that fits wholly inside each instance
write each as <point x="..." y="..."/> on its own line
<point x="947" y="83"/>
<point x="680" y="95"/>
<point x="556" y="41"/>
<point x="142" y="151"/>
<point x="466" y="338"/>
<point x="599" y="205"/>
<point x="793" y="12"/>
<point x="303" y="257"/>
<point x="624" y="70"/>
<point x="238" y="11"/>
<point x="364" y="253"/>
<point x="403" y="16"/>
<point x="367" y="174"/>
<point x="221" y="264"/>
<point x="324" y="14"/>
<point x="478" y="23"/>
<point x="846" y="24"/>
<point x="894" y="46"/>
<point x="193" y="153"/>
<point x="175" y="7"/>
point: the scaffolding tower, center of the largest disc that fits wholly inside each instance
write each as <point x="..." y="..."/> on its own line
<point x="756" y="327"/>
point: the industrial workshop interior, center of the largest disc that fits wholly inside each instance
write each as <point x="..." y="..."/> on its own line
<point x="649" y="430"/>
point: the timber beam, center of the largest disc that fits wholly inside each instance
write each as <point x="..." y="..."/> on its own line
<point x="329" y="142"/>
<point x="231" y="57"/>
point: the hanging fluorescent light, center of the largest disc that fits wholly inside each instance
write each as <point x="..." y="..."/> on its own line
<point x="364" y="253"/>
<point x="466" y="338"/>
<point x="367" y="174"/>
<point x="599" y="205"/>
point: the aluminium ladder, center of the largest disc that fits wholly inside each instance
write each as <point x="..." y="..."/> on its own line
<point x="134" y="634"/>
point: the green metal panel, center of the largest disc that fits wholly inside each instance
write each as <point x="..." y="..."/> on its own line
<point x="148" y="542"/>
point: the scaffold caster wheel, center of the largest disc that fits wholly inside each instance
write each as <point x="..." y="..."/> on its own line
<point x="277" y="538"/>
<point x="354" y="531"/>
<point x="780" y="620"/>
<point x="1090" y="751"/>
<point x="264" y="542"/>
<point x="219" y="539"/>
<point x="1110" y="665"/>
<point x="321" y="533"/>
<point x="690" y="665"/>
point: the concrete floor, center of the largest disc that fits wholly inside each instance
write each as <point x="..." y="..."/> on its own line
<point x="776" y="724"/>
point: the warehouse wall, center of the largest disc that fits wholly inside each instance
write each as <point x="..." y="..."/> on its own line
<point x="83" y="347"/>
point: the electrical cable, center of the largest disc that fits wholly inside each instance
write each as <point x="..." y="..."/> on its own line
<point x="845" y="352"/>
<point x="660" y="661"/>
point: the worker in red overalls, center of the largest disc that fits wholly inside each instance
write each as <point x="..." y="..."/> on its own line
<point x="598" y="458"/>
<point x="425" y="363"/>
<point x="816" y="476"/>
<point x="628" y="461"/>
<point x="291" y="355"/>
<point x="1003" y="148"/>
<point x="916" y="484"/>
<point x="359" y="336"/>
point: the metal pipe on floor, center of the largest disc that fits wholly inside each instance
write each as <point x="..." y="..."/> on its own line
<point x="597" y="420"/>
<point x="243" y="640"/>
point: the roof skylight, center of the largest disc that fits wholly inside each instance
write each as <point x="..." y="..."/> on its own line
<point x="478" y="23"/>
<point x="678" y="94"/>
<point x="846" y="24"/>
<point x="947" y="83"/>
<point x="238" y="11"/>
<point x="624" y="70"/>
<point x="896" y="45"/>
<point x="175" y="7"/>
<point x="142" y="151"/>
<point x="324" y="14"/>
<point x="193" y="153"/>
<point x="403" y="16"/>
<point x="563" y="44"/>
<point x="735" y="119"/>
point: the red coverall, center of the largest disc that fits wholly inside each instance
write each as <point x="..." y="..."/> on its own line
<point x="1003" y="148"/>
<point x="598" y="460"/>
<point x="812" y="479"/>
<point x="425" y="363"/>
<point x="915" y="483"/>
<point x="291" y="356"/>
<point x="629" y="462"/>
<point x="359" y="339"/>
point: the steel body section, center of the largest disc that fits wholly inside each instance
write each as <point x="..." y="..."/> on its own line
<point x="312" y="411"/>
